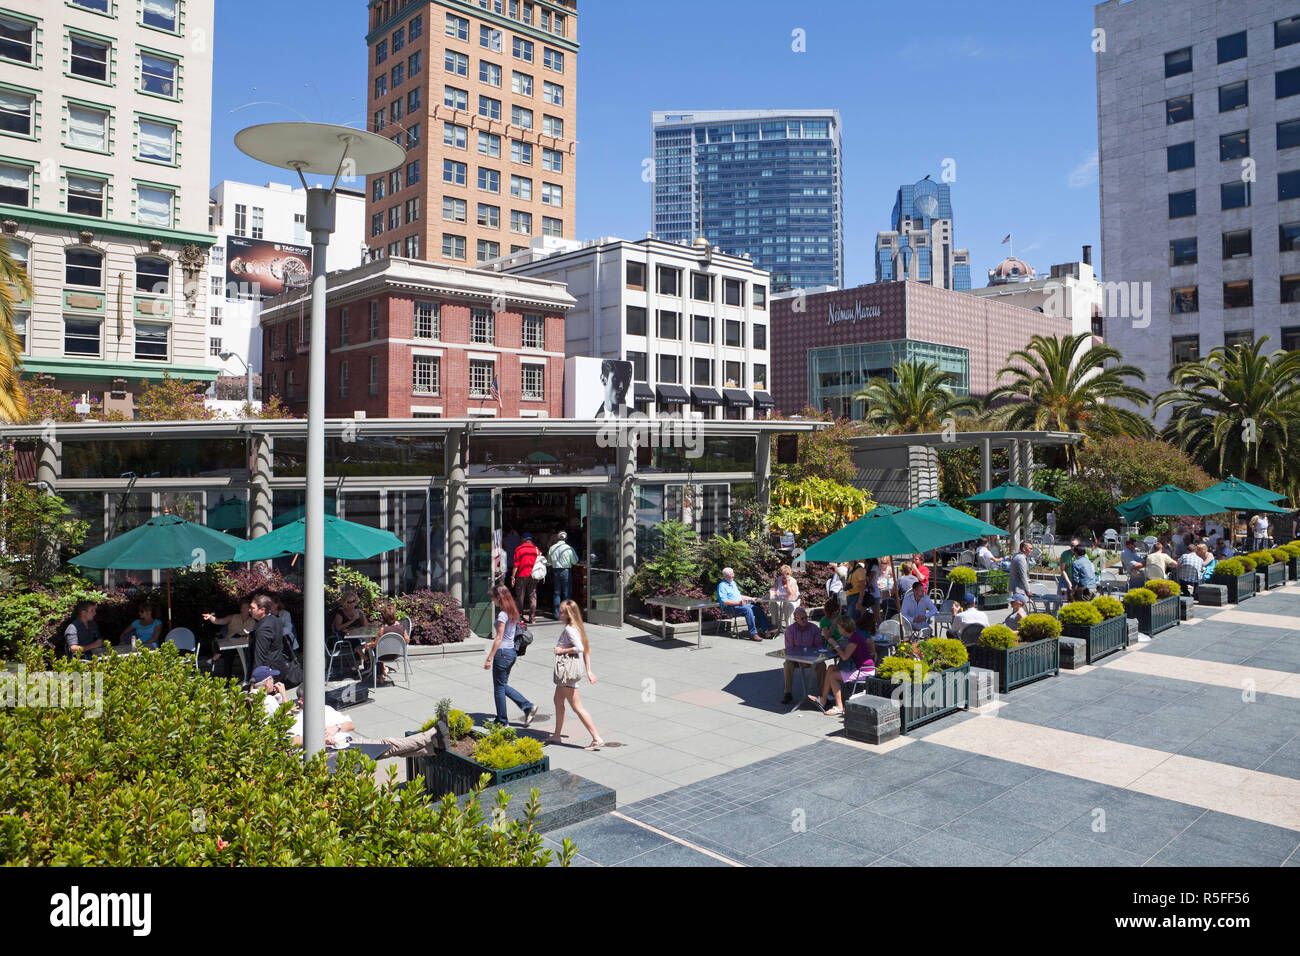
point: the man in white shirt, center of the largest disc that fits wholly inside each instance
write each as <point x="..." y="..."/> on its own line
<point x="1159" y="564"/>
<point x="274" y="694"/>
<point x="337" y="727"/>
<point x="967" y="615"/>
<point x="338" y="735"/>
<point x="984" y="556"/>
<point x="835" y="585"/>
<point x="918" y="610"/>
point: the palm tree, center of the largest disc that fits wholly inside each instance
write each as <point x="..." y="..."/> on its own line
<point x="1065" y="384"/>
<point x="1235" y="410"/>
<point x="920" y="400"/>
<point x="15" y="289"/>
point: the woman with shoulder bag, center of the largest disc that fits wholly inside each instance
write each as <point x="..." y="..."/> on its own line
<point x="572" y="657"/>
<point x="501" y="657"/>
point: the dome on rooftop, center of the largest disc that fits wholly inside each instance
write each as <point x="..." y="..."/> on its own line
<point x="1011" y="269"/>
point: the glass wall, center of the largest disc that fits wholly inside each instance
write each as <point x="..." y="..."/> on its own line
<point x="156" y="458"/>
<point x="366" y="456"/>
<point x="836" y="373"/>
<point x="417" y="518"/>
<point x="540" y="455"/>
<point x="719" y="454"/>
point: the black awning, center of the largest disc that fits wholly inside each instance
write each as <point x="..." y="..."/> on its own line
<point x="738" y="398"/>
<point x="673" y="395"/>
<point x="643" y="393"/>
<point x="706" y="396"/>
<point x="763" y="400"/>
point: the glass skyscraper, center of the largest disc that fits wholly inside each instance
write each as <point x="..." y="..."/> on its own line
<point x="919" y="245"/>
<point x="767" y="183"/>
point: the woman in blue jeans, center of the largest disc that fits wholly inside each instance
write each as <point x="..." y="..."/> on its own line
<point x="501" y="657"/>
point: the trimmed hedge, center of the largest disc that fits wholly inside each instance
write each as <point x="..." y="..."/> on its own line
<point x="1280" y="555"/>
<point x="1140" y="596"/>
<point x="962" y="575"/>
<point x="1039" y="627"/>
<point x="1230" y="568"/>
<point x="1247" y="562"/>
<point x="1080" y="613"/>
<point x="1107" y="606"/>
<point x="999" y="637"/>
<point x="1162" y="588"/>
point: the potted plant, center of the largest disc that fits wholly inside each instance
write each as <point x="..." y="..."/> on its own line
<point x="994" y="591"/>
<point x="1152" y="612"/>
<point x="499" y="753"/>
<point x="958" y="580"/>
<point x="1270" y="572"/>
<point x="1292" y="550"/>
<point x="1105" y="634"/>
<point x="930" y="680"/>
<point x="1238" y="576"/>
<point x="1020" y="657"/>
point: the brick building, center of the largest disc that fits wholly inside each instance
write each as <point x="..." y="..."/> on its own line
<point x="407" y="339"/>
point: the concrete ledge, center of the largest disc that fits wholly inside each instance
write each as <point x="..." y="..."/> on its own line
<point x="473" y="644"/>
<point x="1074" y="653"/>
<point x="1132" y="629"/>
<point x="1215" y="595"/>
<point x="983" y="686"/>
<point x="564" y="797"/>
<point x="873" y="720"/>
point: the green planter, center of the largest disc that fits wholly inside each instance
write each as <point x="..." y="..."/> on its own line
<point x="941" y="694"/>
<point x="1293" y="569"/>
<point x="1154" y="618"/>
<point x="1239" y="588"/>
<point x="1019" y="665"/>
<point x="448" y="772"/>
<point x="1274" y="576"/>
<point x="1105" y="638"/>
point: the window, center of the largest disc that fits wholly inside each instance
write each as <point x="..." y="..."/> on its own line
<point x="151" y="341"/>
<point x="343" y="379"/>
<point x="455" y="63"/>
<point x="733" y="374"/>
<point x="411" y="247"/>
<point x="395" y="182"/>
<point x="701" y="287"/>
<point x="1288" y="134"/>
<point x="669" y="325"/>
<point x="521" y="152"/>
<point x="733" y="334"/>
<point x="669" y="281"/>
<point x="534" y="331"/>
<point x="552" y="194"/>
<point x="489" y="180"/>
<point x="1289" y="237"/>
<point x="490" y="38"/>
<point x="157" y="141"/>
<point x="552" y="126"/>
<point x="241" y="219"/>
<point x="412" y="173"/>
<point x="214" y="347"/>
<point x="552" y="93"/>
<point x="374" y="322"/>
<point x="453" y="172"/>
<point x="1184" y="300"/>
<point x="489" y="107"/>
<point x="701" y="371"/>
<point x="377" y="190"/>
<point x="760" y="296"/>
<point x="17" y="41"/>
<point x="552" y="160"/>
<point x="521" y="83"/>
<point x="394" y="217"/>
<point x="669" y="369"/>
<point x="214" y="315"/>
<point x="534" y="382"/>
<point x="83" y="267"/>
<point x="521" y="187"/>
<point x="453" y="247"/>
<point x="413" y="100"/>
<point x="1288" y="185"/>
<point x="1181" y="156"/>
<point x="1236" y="244"/>
<point x="521" y="222"/>
<point x="702" y="329"/>
<point x="488" y="250"/>
<point x="457" y="27"/>
<point x="289" y="384"/>
<point x="453" y="209"/>
<point x="733" y="292"/>
<point x="412" y="139"/>
<point x="760" y="376"/>
<point x="521" y="116"/>
<point x="1182" y="204"/>
<point x="161" y="15"/>
<point x="1178" y="109"/>
<point x="553" y="59"/>
<point x="1238" y="295"/>
<point x="1178" y="62"/>
<point x="1232" y="47"/>
<point x="377" y="224"/>
<point x="381" y="86"/>
<point x="86" y="196"/>
<point x="99" y="6"/>
<point x="1234" y="195"/>
<point x="81" y="336"/>
<point x="1290" y="338"/>
<point x="760" y="337"/>
<point x="87" y="128"/>
<point x="1286" y="31"/>
<point x="457" y="137"/>
<point x="489" y="215"/>
<point x="1233" y="96"/>
<point x="89" y="59"/>
<point x="1290" y="289"/>
<point x="636" y="275"/>
<point x="1185" y="348"/>
<point x="638" y="360"/>
<point x="482" y="376"/>
<point x="381" y="52"/>
<point x="425" y="375"/>
<point x="16" y="111"/>
<point x="454" y="98"/>
<point x="153" y="277"/>
<point x="489" y="144"/>
<point x="1286" y="82"/>
<point x="1234" y="145"/>
<point x="489" y="73"/>
<point x="259" y="223"/>
<point x="345" y="326"/>
<point x="158" y="75"/>
<point x="374" y="375"/>
<point x="399" y="38"/>
<point x="636" y="320"/>
<point x="399" y="74"/>
<point x="482" y="326"/>
<point x="522" y="49"/>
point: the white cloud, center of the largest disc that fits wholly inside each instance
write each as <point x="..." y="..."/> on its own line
<point x="1085" y="174"/>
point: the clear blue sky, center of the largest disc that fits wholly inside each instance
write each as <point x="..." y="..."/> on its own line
<point x="1007" y="89"/>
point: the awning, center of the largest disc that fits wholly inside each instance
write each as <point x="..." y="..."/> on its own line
<point x="738" y="398"/>
<point x="706" y="396"/>
<point x="643" y="393"/>
<point x="763" y="400"/>
<point x="673" y="395"/>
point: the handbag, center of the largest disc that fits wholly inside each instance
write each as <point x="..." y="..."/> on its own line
<point x="567" y="669"/>
<point x="539" y="569"/>
<point x="522" y="639"/>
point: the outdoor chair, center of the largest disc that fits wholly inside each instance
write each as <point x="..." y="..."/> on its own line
<point x="336" y="649"/>
<point x="888" y="636"/>
<point x="389" y="648"/>
<point x="970" y="634"/>
<point x="1110" y="536"/>
<point x="966" y="558"/>
<point x="1110" y="581"/>
<point x="942" y="622"/>
<point x="185" y="641"/>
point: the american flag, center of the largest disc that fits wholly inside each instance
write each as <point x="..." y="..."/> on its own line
<point x="1007" y="239"/>
<point x="496" y="390"/>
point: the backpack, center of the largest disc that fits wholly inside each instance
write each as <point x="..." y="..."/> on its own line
<point x="539" y="568"/>
<point x="522" y="638"/>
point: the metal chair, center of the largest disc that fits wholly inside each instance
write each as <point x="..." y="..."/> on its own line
<point x="336" y="647"/>
<point x="970" y="634"/>
<point x="184" y="640"/>
<point x="1110" y="536"/>
<point x="1109" y="581"/>
<point x="391" y="647"/>
<point x="966" y="558"/>
<point x="888" y="636"/>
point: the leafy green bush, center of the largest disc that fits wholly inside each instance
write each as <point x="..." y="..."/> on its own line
<point x="897" y="669"/>
<point x="38" y="614"/>
<point x="1139" y="597"/>
<point x="942" y="653"/>
<point x="675" y="564"/>
<point x="1229" y="568"/>
<point x="1080" y="614"/>
<point x="1262" y="559"/>
<point x="1247" y="562"/>
<point x="502" y="749"/>
<point x="962" y="575"/>
<point x="459" y="723"/>
<point x="996" y="581"/>
<point x="1280" y="555"/>
<point x="181" y="770"/>
<point x="1107" y="606"/>
<point x="1292" y="548"/>
<point x="998" y="636"/>
<point x="724" y="551"/>
<point x="1039" y="627"/>
<point x="1161" y="587"/>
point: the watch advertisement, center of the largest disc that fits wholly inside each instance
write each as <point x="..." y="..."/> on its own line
<point x="261" y="269"/>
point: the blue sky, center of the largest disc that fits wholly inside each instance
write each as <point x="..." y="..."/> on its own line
<point x="1006" y="89"/>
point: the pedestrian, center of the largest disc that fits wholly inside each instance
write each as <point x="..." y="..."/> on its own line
<point x="501" y="657"/>
<point x="835" y="585"/>
<point x="854" y="592"/>
<point x="521" y="576"/>
<point x="1019" y="576"/>
<point x="784" y="596"/>
<point x="572" y="658"/>
<point x="562" y="558"/>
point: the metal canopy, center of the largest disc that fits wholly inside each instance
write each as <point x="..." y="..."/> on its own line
<point x="320" y="149"/>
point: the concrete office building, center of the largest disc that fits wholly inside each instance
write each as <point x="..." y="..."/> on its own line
<point x="764" y="183"/>
<point x="1198" y="128"/>
<point x="919" y="244"/>
<point x="692" y="321"/>
<point x="483" y="96"/>
<point x="104" y="143"/>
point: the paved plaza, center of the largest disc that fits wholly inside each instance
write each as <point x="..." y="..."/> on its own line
<point x="1181" y="751"/>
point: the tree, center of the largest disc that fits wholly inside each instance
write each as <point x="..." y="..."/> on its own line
<point x="1236" y="410"/>
<point x="15" y="288"/>
<point x="271" y="408"/>
<point x="34" y="526"/>
<point x="920" y="400"/>
<point x="171" y="400"/>
<point x="1066" y="384"/>
<point x="1129" y="467"/>
<point x="825" y="453"/>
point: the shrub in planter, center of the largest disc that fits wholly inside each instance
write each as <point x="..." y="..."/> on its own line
<point x="1247" y="563"/>
<point x="1139" y="597"/>
<point x="1262" y="559"/>
<point x="1231" y="568"/>
<point x="436" y="617"/>
<point x="941" y="653"/>
<point x="1162" y="588"/>
<point x="1108" y="606"/>
<point x="1039" y="627"/>
<point x="962" y="575"/>
<point x="902" y="668"/>
<point x="1280" y="555"/>
<point x="1292" y="548"/>
<point x="998" y="636"/>
<point x="503" y="749"/>
<point x="1079" y="614"/>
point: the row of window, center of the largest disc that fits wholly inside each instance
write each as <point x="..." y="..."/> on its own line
<point x="87" y="195"/>
<point x="550" y="21"/>
<point x="412" y="67"/>
<point x="1235" y="145"/>
<point x="426" y="378"/>
<point x="669" y="282"/>
<point x="489" y="217"/>
<point x="1237" y="244"/>
<point x="670" y="368"/>
<point x="1233" y="47"/>
<point x="1187" y="348"/>
<point x="90" y="127"/>
<point x="394" y="111"/>
<point x="91" y="58"/>
<point x="1239" y="294"/>
<point x="489" y="144"/>
<point x="344" y="378"/>
<point x="158" y="14"/>
<point x="1180" y="109"/>
<point x="489" y="180"/>
<point x="490" y="38"/>
<point x="393" y="184"/>
<point x="427" y="324"/>
<point x="491" y="108"/>
<point x="1233" y="195"/>
<point x="669" y="325"/>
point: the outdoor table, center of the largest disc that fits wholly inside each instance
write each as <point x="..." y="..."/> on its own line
<point x="238" y="643"/>
<point x="1051" y="603"/>
<point x="687" y="604"/>
<point x="806" y="660"/>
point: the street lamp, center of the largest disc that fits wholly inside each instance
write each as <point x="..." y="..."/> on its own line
<point x="226" y="355"/>
<point x="322" y="150"/>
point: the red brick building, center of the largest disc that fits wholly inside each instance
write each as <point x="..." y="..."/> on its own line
<point x="408" y="339"/>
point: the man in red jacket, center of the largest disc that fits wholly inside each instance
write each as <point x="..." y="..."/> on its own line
<point x="521" y="577"/>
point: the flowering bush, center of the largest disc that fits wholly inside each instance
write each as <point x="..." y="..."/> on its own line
<point x="436" y="617"/>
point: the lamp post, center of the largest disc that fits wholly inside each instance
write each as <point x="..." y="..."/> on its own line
<point x="322" y="150"/>
<point x="226" y="355"/>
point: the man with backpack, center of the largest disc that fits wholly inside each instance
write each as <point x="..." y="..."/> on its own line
<point x="521" y="577"/>
<point x="562" y="558"/>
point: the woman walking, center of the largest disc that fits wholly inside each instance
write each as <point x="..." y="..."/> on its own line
<point x="501" y="657"/>
<point x="572" y="657"/>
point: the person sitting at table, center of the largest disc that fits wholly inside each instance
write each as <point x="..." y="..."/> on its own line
<point x="921" y="570"/>
<point x="1018" y="613"/>
<point x="984" y="556"/>
<point x="238" y="624"/>
<point x="906" y="577"/>
<point x="967" y="615"/>
<point x="1224" y="550"/>
<point x="1203" y="553"/>
<point x="1134" y="566"/>
<point x="918" y="610"/>
<point x="1083" y="575"/>
<point x="1159" y="564"/>
<point x="263" y="684"/>
<point x="1190" y="568"/>
<point x="784" y="596"/>
<point x="801" y="637"/>
<point x="82" y="633"/>
<point x="735" y="604"/>
<point x="857" y="654"/>
<point x="348" y="614"/>
<point x="146" y="628"/>
<point x="830" y="612"/>
<point x="390" y="626"/>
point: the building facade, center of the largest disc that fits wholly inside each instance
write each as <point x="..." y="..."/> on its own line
<point x="827" y="347"/>
<point x="483" y="96"/>
<point x="104" y="144"/>
<point x="1069" y="291"/>
<point x="919" y="245"/>
<point x="407" y="339"/>
<point x="1198" y="127"/>
<point x="764" y="183"/>
<point x="262" y="245"/>
<point x="693" y="322"/>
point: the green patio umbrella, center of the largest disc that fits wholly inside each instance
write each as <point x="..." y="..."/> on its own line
<point x="229" y="515"/>
<point x="344" y="540"/>
<point x="1237" y="495"/>
<point x="1256" y="489"/>
<point x="1009" y="491"/>
<point x="1167" y="501"/>
<point x="885" y="531"/>
<point x="960" y="520"/>
<point x="301" y="512"/>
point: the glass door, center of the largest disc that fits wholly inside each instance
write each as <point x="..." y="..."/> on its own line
<point x="486" y="558"/>
<point x="604" y="557"/>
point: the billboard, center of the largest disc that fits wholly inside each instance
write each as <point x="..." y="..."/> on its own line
<point x="597" y="388"/>
<point x="259" y="268"/>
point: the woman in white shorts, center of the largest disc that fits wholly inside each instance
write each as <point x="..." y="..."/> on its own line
<point x="572" y="658"/>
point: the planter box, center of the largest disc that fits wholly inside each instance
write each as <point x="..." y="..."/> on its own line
<point x="1154" y="618"/>
<point x="1020" y="665"/>
<point x="1105" y="638"/>
<point x="1274" y="576"/>
<point x="1239" y="588"/>
<point x="448" y="772"/>
<point x="1293" y="569"/>
<point x="952" y="590"/>
<point x="945" y="693"/>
